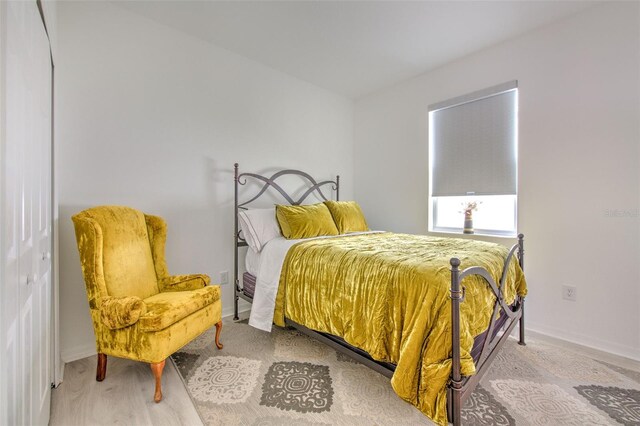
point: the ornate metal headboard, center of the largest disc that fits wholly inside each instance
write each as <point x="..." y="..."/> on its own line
<point x="312" y="188"/>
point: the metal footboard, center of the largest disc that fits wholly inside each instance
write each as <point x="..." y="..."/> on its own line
<point x="461" y="387"/>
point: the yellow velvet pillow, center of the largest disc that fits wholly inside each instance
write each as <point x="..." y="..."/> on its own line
<point x="305" y="221"/>
<point x="348" y="216"/>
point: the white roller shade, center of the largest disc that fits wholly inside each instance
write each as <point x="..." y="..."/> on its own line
<point x="474" y="145"/>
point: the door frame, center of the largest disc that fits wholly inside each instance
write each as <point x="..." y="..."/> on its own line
<point x="56" y="363"/>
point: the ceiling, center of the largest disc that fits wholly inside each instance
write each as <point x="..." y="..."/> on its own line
<point x="355" y="47"/>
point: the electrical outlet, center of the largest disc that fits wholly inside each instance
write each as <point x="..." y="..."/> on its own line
<point x="224" y="277"/>
<point x="569" y="293"/>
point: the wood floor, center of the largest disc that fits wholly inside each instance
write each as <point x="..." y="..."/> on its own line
<point x="124" y="397"/>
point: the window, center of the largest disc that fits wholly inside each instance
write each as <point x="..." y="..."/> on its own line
<point x="473" y="150"/>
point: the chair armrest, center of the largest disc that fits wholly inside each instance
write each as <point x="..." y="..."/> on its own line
<point x="120" y="312"/>
<point x="184" y="282"/>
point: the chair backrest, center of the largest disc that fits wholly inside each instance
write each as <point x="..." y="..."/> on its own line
<point x="124" y="259"/>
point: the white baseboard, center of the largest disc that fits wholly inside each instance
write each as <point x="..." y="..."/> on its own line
<point x="79" y="352"/>
<point x="586" y="341"/>
<point x="243" y="307"/>
<point x="226" y="313"/>
<point x="60" y="376"/>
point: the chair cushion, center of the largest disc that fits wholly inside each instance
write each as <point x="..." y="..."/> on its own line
<point x="164" y="309"/>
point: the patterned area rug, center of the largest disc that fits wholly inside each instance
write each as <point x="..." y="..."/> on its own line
<point x="286" y="378"/>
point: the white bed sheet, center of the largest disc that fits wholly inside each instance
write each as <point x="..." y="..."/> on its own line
<point x="270" y="263"/>
<point x="252" y="262"/>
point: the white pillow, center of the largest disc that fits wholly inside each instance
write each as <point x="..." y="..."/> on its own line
<point x="259" y="226"/>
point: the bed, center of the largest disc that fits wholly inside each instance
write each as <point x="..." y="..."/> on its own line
<point x="393" y="302"/>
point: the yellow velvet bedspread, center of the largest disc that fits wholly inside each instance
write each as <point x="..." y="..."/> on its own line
<point x="388" y="294"/>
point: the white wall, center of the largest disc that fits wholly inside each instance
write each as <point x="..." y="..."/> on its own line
<point x="579" y="94"/>
<point x="152" y="118"/>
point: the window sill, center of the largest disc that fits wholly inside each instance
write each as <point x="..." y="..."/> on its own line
<point x="460" y="234"/>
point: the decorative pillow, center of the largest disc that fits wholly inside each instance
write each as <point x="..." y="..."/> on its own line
<point x="348" y="216"/>
<point x="259" y="226"/>
<point x="305" y="221"/>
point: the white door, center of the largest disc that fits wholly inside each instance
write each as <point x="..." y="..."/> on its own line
<point x="10" y="383"/>
<point x="40" y="291"/>
<point x="26" y="215"/>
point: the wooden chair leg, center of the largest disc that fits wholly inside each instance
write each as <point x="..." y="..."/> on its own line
<point x="157" y="368"/>
<point x="101" y="371"/>
<point x="218" y="329"/>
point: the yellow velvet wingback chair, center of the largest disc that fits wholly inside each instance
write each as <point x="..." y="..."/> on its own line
<point x="138" y="310"/>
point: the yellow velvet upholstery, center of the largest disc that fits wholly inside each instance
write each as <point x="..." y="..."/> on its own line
<point x="120" y="312"/>
<point x="165" y="309"/>
<point x="307" y="221"/>
<point x="138" y="310"/>
<point x="348" y="216"/>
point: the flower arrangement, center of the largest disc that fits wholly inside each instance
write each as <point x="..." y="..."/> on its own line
<point x="469" y="207"/>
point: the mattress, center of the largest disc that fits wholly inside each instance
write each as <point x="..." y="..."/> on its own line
<point x="248" y="284"/>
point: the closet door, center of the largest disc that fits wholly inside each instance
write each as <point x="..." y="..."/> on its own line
<point x="10" y="383"/>
<point x="26" y="215"/>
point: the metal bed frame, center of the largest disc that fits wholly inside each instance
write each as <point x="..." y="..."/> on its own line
<point x="459" y="387"/>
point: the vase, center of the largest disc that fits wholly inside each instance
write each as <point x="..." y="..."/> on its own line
<point x="468" y="223"/>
